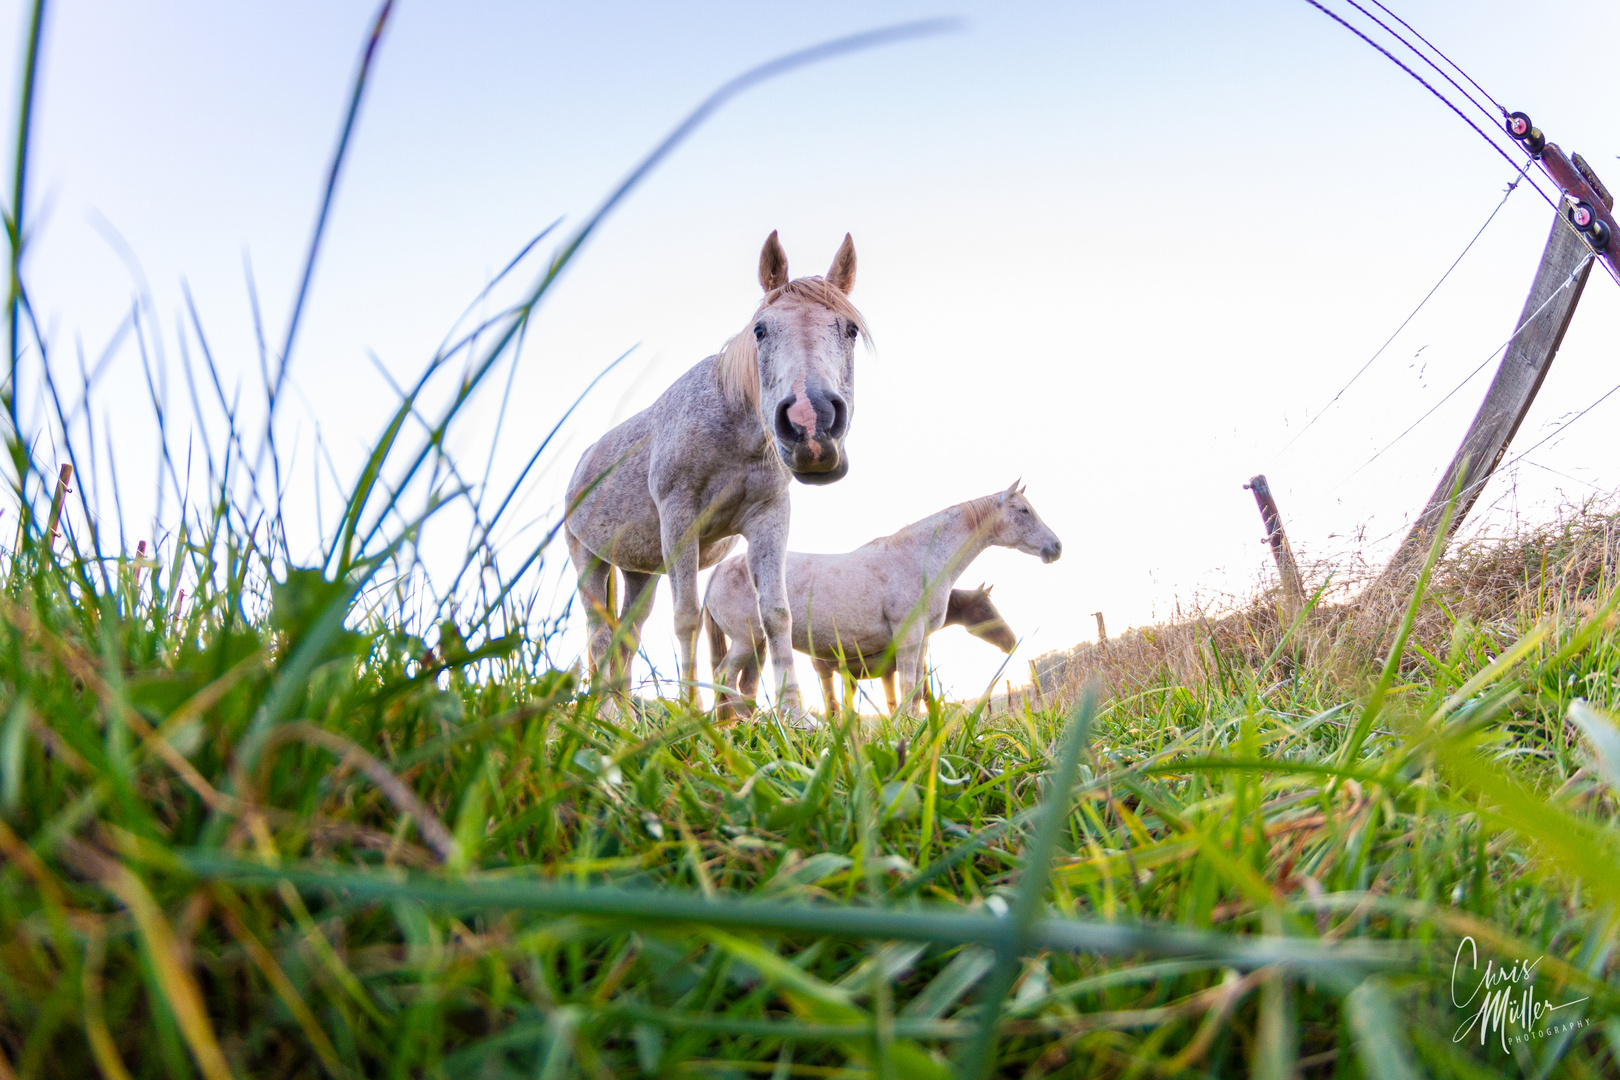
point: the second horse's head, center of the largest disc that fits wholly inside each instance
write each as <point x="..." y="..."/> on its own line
<point x="795" y="362"/>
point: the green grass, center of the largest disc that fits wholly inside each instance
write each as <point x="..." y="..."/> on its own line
<point x="251" y="826"/>
<point x="475" y="872"/>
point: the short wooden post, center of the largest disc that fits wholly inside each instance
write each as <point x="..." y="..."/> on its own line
<point x="1293" y="587"/>
<point x="63" y="479"/>
<point x="1102" y="629"/>
<point x="1035" y="684"/>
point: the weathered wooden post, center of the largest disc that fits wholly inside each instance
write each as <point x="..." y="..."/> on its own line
<point x="1565" y="263"/>
<point x="1102" y="630"/>
<point x="1035" y="684"/>
<point x="1292" y="586"/>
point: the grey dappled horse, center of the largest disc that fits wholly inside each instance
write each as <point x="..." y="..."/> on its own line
<point x="893" y="590"/>
<point x="670" y="489"/>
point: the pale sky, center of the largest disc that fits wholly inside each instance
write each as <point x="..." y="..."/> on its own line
<point x="1123" y="251"/>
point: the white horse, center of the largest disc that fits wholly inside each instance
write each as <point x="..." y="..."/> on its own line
<point x="670" y="489"/>
<point x="970" y="609"/>
<point x="849" y="609"/>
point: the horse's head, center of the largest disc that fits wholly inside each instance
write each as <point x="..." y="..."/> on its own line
<point x="972" y="609"/>
<point x="796" y="362"/>
<point x="1017" y="525"/>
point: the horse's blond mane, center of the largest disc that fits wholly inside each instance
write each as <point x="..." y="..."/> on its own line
<point x="737" y="366"/>
<point x="978" y="511"/>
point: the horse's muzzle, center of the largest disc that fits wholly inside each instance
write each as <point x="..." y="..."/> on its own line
<point x="810" y="427"/>
<point x="824" y="467"/>
<point x="1052" y="552"/>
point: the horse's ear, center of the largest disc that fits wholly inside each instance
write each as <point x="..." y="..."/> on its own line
<point x="985" y="588"/>
<point x="1012" y="489"/>
<point x="772" y="264"/>
<point x="842" y="274"/>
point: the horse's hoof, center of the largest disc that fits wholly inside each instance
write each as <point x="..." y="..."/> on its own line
<point x="796" y="718"/>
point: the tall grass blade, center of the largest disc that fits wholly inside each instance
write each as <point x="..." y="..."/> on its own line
<point x="1036" y="866"/>
<point x="1380" y="1032"/>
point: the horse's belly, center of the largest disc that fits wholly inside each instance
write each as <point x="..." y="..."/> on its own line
<point x="711" y="551"/>
<point x="629" y="545"/>
<point x="826" y="636"/>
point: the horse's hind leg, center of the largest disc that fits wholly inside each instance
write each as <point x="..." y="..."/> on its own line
<point x="639" y="593"/>
<point x="595" y="587"/>
<point x="741" y="670"/>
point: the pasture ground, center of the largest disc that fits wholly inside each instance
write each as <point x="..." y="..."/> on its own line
<point x="240" y="844"/>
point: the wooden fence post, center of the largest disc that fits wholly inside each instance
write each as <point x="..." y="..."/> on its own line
<point x="1035" y="684"/>
<point x="1102" y="630"/>
<point x="1292" y="586"/>
<point x="1565" y="264"/>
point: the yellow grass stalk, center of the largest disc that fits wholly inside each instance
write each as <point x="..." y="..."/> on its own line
<point x="179" y="988"/>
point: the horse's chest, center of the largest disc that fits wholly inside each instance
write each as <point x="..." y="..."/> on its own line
<point x="901" y="614"/>
<point x="728" y="505"/>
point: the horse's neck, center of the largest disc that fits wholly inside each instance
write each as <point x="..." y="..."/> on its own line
<point x="944" y="544"/>
<point x="740" y="422"/>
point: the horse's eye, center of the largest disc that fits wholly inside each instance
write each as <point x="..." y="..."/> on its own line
<point x="759" y="332"/>
<point x="852" y="330"/>
<point x="1023" y="510"/>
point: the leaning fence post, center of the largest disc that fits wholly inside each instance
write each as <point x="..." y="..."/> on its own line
<point x="1102" y="630"/>
<point x="1293" y="588"/>
<point x="1561" y="275"/>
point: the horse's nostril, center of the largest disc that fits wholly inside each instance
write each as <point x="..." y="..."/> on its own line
<point x="840" y="418"/>
<point x="784" y="427"/>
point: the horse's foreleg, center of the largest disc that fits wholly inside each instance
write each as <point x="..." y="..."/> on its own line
<point x="910" y="670"/>
<point x="595" y="580"/>
<point x="681" y="563"/>
<point x="767" y="563"/>
<point x="888" y="690"/>
<point x="825" y="670"/>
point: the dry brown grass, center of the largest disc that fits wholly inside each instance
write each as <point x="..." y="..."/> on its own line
<point x="1505" y="583"/>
